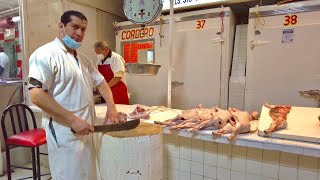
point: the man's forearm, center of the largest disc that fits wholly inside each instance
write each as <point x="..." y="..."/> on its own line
<point x="44" y="101"/>
<point x="114" y="81"/>
<point x="106" y="93"/>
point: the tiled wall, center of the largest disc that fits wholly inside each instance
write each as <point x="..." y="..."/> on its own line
<point x="193" y="159"/>
<point x="237" y="79"/>
<point x="239" y="57"/>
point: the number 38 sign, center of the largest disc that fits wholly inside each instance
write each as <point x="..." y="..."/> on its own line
<point x="290" y="20"/>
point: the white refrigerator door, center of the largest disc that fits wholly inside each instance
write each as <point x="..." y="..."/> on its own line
<point x="197" y="61"/>
<point x="277" y="70"/>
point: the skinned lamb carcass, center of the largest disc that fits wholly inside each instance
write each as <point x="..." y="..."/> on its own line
<point x="189" y="114"/>
<point x="202" y="115"/>
<point x="220" y="118"/>
<point x="278" y="113"/>
<point x="170" y="122"/>
<point x="187" y="124"/>
<point x="240" y="123"/>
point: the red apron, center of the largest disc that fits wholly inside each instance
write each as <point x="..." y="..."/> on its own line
<point x="119" y="91"/>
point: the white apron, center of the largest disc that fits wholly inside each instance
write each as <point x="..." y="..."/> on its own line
<point x="71" y="156"/>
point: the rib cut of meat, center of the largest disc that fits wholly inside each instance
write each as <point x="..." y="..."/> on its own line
<point x="278" y="113"/>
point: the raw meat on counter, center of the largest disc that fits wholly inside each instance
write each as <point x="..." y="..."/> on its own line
<point x="239" y="123"/>
<point x="219" y="119"/>
<point x="189" y="118"/>
<point x="213" y="119"/>
<point x="278" y="113"/>
<point x="140" y="112"/>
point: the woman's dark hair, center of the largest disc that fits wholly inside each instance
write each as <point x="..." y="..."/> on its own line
<point x="66" y="16"/>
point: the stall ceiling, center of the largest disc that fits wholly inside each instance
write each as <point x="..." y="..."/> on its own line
<point x="8" y="4"/>
<point x="9" y="8"/>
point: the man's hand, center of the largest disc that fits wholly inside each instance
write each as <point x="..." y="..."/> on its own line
<point x="112" y="116"/>
<point x="81" y="126"/>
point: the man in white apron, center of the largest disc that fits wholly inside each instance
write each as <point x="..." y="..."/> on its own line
<point x="61" y="82"/>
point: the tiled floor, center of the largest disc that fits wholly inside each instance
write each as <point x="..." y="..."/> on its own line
<point x="23" y="173"/>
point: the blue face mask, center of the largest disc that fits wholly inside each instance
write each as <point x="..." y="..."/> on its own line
<point x="72" y="44"/>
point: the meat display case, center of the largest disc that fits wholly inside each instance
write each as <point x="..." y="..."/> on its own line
<point x="283" y="54"/>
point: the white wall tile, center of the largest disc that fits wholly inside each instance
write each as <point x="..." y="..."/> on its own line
<point x="206" y="178"/>
<point x="254" y="167"/>
<point x="288" y="173"/>
<point x="185" y="142"/>
<point x="309" y="163"/>
<point x="164" y="138"/>
<point x="253" y="177"/>
<point x="197" y="168"/>
<point x="165" y="149"/>
<point x="184" y="175"/>
<point x="239" y="151"/>
<point x="254" y="154"/>
<point x="224" y="162"/>
<point x="223" y="174"/>
<point x="165" y="161"/>
<point x="197" y="156"/>
<point x="210" y="171"/>
<point x="224" y="149"/>
<point x="272" y="157"/>
<point x="185" y="165"/>
<point x="185" y="153"/>
<point x="173" y="139"/>
<point x="196" y="177"/>
<point x="165" y="172"/>
<point x="173" y="163"/>
<point x="173" y="174"/>
<point x="267" y="178"/>
<point x="210" y="158"/>
<point x="197" y="144"/>
<point x="307" y="175"/>
<point x="238" y="164"/>
<point x="211" y="147"/>
<point x="173" y="150"/>
<point x="236" y="175"/>
<point x="289" y="159"/>
<point x="270" y="170"/>
<point x="197" y="150"/>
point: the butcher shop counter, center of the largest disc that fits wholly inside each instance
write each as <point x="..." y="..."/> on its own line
<point x="200" y="155"/>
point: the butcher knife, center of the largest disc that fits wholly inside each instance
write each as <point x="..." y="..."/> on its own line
<point x="116" y="127"/>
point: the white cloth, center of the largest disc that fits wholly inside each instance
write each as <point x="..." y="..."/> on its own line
<point x="70" y="83"/>
<point x="116" y="64"/>
<point x="5" y="64"/>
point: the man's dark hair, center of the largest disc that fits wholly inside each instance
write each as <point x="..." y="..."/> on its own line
<point x="66" y="16"/>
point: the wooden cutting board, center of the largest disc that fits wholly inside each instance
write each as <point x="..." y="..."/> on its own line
<point x="303" y="124"/>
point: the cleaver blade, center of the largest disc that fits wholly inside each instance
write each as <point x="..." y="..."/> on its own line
<point x="116" y="127"/>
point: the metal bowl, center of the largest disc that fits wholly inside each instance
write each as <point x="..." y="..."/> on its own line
<point x="142" y="69"/>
